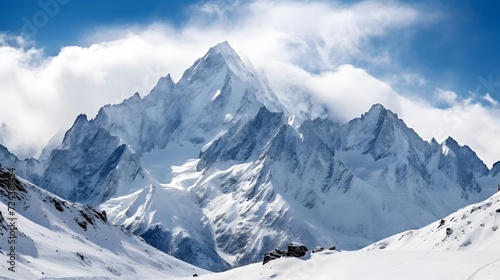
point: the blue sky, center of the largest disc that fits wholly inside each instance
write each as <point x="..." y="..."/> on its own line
<point x="75" y="18"/>
<point x="435" y="63"/>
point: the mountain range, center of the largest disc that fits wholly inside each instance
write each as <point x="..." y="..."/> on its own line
<point x="462" y="245"/>
<point x="217" y="169"/>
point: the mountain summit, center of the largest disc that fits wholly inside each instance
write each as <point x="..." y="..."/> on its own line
<point x="218" y="58"/>
<point x="217" y="169"/>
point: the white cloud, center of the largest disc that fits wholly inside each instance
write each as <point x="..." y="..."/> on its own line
<point x="413" y="79"/>
<point x="447" y="96"/>
<point x="470" y="124"/>
<point x="490" y="99"/>
<point x="314" y="42"/>
<point x="348" y="91"/>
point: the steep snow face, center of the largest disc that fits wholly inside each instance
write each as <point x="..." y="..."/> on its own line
<point x="277" y="180"/>
<point x="461" y="165"/>
<point x="217" y="90"/>
<point x="265" y="180"/>
<point x="168" y="219"/>
<point x="396" y="157"/>
<point x="474" y="227"/>
<point x="466" y="157"/>
<point x="57" y="238"/>
<point x="28" y="167"/>
<point x="495" y="170"/>
<point x="380" y="134"/>
<point x="8" y="159"/>
<point x="463" y="245"/>
<point x="92" y="165"/>
<point x="214" y="93"/>
<point x="144" y="123"/>
<point x="244" y="140"/>
<point x="99" y="158"/>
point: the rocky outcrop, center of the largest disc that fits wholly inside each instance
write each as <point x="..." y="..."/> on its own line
<point x="295" y="249"/>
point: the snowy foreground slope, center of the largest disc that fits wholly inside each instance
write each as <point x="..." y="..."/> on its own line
<point x="217" y="168"/>
<point x="374" y="265"/>
<point x="61" y="239"/>
<point x="463" y="245"/>
<point x="474" y="227"/>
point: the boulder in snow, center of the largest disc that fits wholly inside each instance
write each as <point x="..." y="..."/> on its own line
<point x="296" y="249"/>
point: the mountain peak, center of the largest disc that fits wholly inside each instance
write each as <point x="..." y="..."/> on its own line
<point x="378" y="107"/>
<point x="220" y="57"/>
<point x="378" y="113"/>
<point x="376" y="110"/>
<point x="222" y="51"/>
<point x="468" y="156"/>
<point x="452" y="144"/>
<point x="224" y="48"/>
<point x="495" y="169"/>
<point x="451" y="141"/>
<point x="81" y="117"/>
<point x="164" y="86"/>
<point x="434" y="142"/>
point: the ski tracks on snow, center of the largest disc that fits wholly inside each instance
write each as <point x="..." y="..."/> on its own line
<point x="471" y="277"/>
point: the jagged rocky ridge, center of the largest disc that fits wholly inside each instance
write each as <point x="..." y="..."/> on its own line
<point x="250" y="171"/>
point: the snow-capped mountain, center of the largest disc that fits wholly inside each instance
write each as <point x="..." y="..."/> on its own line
<point x="275" y="180"/>
<point x="168" y="218"/>
<point x="463" y="245"/>
<point x="217" y="169"/>
<point x="495" y="170"/>
<point x="29" y="168"/>
<point x="213" y="94"/>
<point x="380" y="149"/>
<point x="411" y="162"/>
<point x="56" y="238"/>
<point x="91" y="165"/>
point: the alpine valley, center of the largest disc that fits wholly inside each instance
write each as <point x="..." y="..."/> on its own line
<point x="217" y="169"/>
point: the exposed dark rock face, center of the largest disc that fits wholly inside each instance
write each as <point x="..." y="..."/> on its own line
<point x="272" y="255"/>
<point x="295" y="249"/>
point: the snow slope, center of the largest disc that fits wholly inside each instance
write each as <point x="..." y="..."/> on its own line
<point x="169" y="219"/>
<point x="61" y="239"/>
<point x="474" y="227"/>
<point x="376" y="265"/>
<point x="463" y="245"/>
